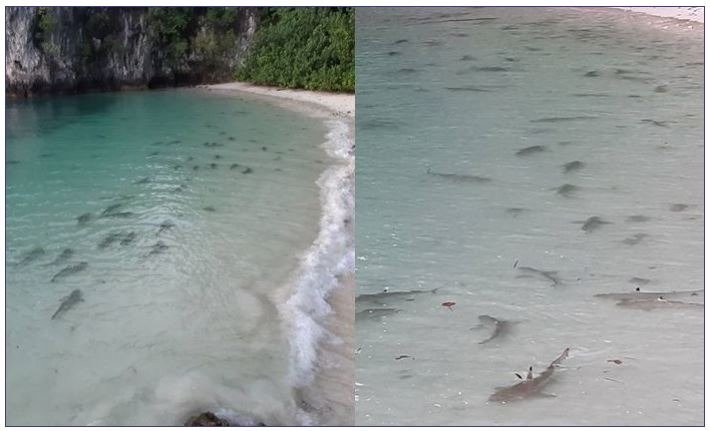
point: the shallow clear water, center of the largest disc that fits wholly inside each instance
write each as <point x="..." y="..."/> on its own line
<point x="174" y="319"/>
<point x="446" y="98"/>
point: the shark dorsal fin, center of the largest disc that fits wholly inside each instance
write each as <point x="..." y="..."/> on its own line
<point x="530" y="373"/>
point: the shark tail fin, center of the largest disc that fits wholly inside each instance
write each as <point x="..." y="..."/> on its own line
<point x="561" y="358"/>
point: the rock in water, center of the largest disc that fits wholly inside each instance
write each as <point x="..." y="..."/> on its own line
<point x="206" y="419"/>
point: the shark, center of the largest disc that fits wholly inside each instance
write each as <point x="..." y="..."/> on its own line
<point x="158" y="248"/>
<point x="68" y="302"/>
<point x="111" y="209"/>
<point x="647" y="301"/>
<point x="530" y="386"/>
<point x="573" y="166"/>
<point x="84" y="218"/>
<point x="459" y="177"/>
<point x="530" y="150"/>
<point x="635" y="239"/>
<point x="109" y="239"/>
<point x="648" y="304"/>
<point x="381" y="298"/>
<point x="593" y="223"/>
<point x="638" y="218"/>
<point x="528" y="271"/>
<point x="566" y="190"/>
<point x="32" y="255"/>
<point x="681" y="294"/>
<point x="69" y="270"/>
<point x="501" y="328"/>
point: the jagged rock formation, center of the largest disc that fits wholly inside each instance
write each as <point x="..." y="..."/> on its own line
<point x="73" y="49"/>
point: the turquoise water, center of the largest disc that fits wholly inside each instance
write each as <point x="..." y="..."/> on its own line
<point x="447" y="202"/>
<point x="197" y="209"/>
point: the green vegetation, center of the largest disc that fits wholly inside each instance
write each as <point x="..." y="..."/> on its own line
<point x="99" y="36"/>
<point x="45" y="24"/>
<point x="42" y="27"/>
<point x="311" y="48"/>
<point x="217" y="39"/>
<point x="208" y="32"/>
<point x="169" y="26"/>
<point x="295" y="47"/>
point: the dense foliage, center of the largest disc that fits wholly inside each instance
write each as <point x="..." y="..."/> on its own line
<point x="311" y="48"/>
<point x="296" y="47"/>
<point x="169" y="26"/>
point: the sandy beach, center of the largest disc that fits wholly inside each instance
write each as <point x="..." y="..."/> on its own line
<point x="332" y="104"/>
<point x="691" y="14"/>
<point x="329" y="398"/>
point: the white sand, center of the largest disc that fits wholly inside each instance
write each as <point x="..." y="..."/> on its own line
<point x="331" y="396"/>
<point x="333" y="104"/>
<point x="687" y="13"/>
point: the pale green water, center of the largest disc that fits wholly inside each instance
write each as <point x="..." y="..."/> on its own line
<point x="162" y="331"/>
<point x="460" y="91"/>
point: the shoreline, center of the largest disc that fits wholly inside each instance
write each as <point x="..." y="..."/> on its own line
<point x="320" y="305"/>
<point x="681" y="15"/>
<point x="338" y="105"/>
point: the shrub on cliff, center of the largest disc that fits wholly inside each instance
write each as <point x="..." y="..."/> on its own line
<point x="216" y="40"/>
<point x="41" y="28"/>
<point x="169" y="28"/>
<point x="202" y="37"/>
<point x="311" y="48"/>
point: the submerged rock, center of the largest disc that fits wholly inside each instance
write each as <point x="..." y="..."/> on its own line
<point x="206" y="419"/>
<point x="209" y="419"/>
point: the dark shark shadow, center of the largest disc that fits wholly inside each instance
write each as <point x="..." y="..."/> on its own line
<point x="501" y="328"/>
<point x="386" y="297"/>
<point x="528" y="271"/>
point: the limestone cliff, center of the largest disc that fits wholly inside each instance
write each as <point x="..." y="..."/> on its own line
<point x="72" y="49"/>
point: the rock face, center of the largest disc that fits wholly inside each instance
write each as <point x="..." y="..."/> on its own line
<point x="73" y="49"/>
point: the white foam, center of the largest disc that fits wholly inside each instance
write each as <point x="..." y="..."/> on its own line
<point x="331" y="256"/>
